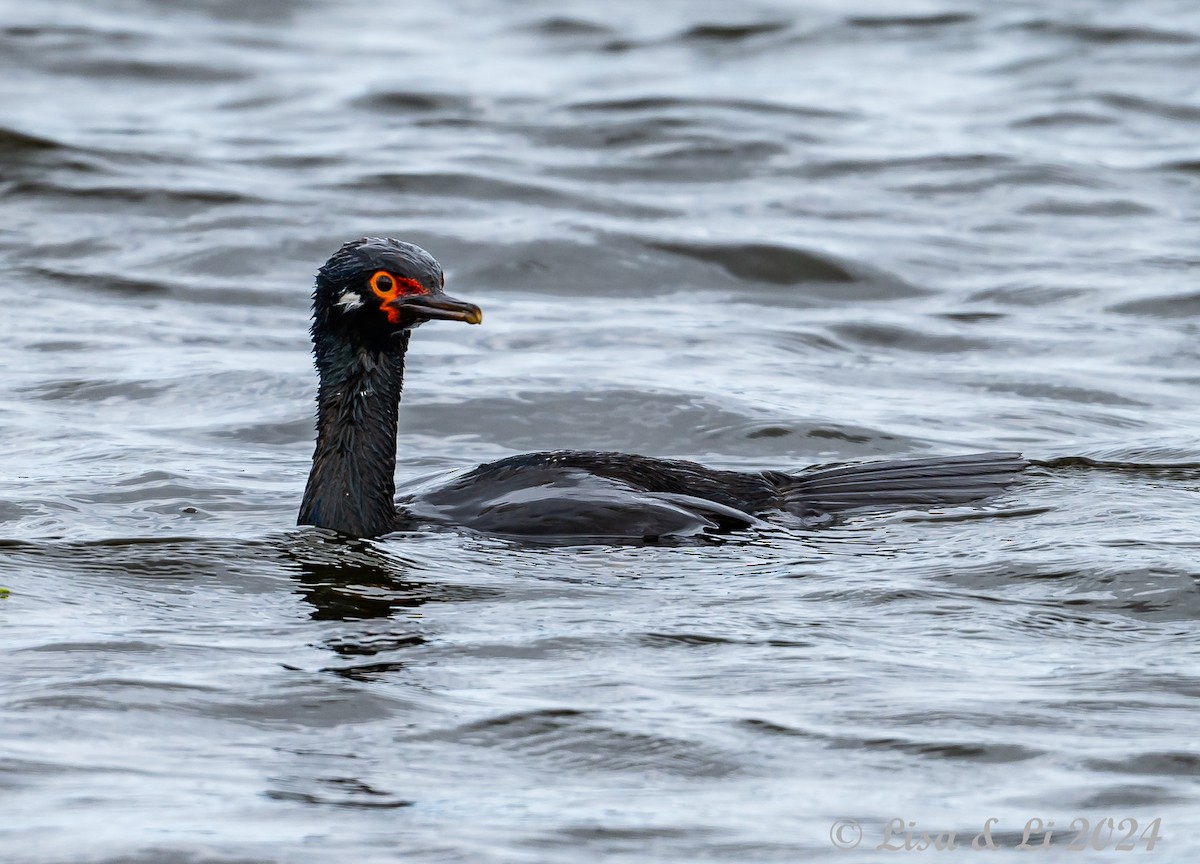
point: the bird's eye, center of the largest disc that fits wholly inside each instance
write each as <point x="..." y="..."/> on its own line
<point x="382" y="283"/>
<point x="390" y="289"/>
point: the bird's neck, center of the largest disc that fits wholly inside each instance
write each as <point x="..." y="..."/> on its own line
<point x="352" y="483"/>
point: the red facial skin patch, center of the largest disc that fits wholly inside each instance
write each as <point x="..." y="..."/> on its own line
<point x="388" y="288"/>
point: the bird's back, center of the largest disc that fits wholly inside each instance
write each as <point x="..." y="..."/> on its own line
<point x="600" y="495"/>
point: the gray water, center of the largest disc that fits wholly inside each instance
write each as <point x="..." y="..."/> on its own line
<point x="758" y="235"/>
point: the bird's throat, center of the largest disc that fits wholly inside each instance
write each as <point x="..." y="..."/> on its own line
<point x="352" y="483"/>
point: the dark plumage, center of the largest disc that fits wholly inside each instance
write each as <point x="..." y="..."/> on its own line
<point x="368" y="298"/>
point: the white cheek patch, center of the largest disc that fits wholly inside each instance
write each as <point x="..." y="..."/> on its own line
<point x="349" y="300"/>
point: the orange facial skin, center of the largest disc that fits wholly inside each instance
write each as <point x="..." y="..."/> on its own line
<point x="388" y="287"/>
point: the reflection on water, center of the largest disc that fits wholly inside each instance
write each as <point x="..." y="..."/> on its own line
<point x="763" y="237"/>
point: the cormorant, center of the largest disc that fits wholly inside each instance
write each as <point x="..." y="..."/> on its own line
<point x="368" y="298"/>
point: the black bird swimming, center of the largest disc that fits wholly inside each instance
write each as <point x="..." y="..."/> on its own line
<point x="369" y="297"/>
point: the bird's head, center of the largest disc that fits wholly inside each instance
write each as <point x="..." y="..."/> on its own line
<point x="375" y="288"/>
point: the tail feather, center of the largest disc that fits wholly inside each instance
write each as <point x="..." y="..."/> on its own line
<point x="901" y="482"/>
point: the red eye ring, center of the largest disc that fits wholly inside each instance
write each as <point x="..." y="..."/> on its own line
<point x="383" y="285"/>
<point x="388" y="288"/>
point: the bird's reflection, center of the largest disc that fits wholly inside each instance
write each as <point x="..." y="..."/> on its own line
<point x="345" y="579"/>
<point x="351" y="580"/>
